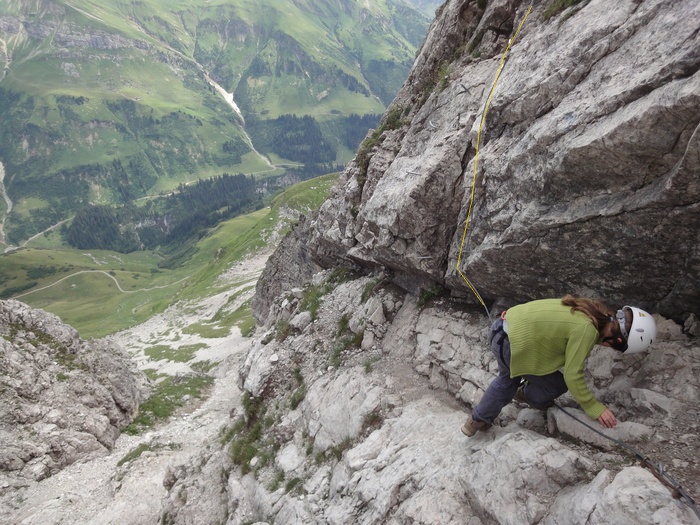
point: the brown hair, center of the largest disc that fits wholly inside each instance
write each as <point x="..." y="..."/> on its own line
<point x="597" y="311"/>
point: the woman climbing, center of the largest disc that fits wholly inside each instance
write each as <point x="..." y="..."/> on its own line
<point x="533" y="341"/>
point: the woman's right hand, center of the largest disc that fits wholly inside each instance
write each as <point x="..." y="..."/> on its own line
<point x="607" y="419"/>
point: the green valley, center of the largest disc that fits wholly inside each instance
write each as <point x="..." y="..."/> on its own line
<point x="100" y="292"/>
<point x="106" y="103"/>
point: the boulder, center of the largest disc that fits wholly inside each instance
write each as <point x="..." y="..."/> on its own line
<point x="62" y="399"/>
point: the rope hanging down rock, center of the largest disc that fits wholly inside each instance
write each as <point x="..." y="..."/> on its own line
<point x="476" y="162"/>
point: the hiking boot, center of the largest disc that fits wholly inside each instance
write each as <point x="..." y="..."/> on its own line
<point x="471" y="427"/>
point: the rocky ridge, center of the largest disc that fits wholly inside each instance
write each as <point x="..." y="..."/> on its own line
<point x="62" y="399"/>
<point x="126" y="485"/>
<point x="354" y="392"/>
<point x="51" y="23"/>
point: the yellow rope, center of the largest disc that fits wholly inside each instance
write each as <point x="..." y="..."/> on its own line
<point x="476" y="159"/>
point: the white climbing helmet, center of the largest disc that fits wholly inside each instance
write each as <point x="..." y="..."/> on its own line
<point x="642" y="332"/>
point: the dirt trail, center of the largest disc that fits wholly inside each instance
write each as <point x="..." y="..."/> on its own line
<point x="119" y="287"/>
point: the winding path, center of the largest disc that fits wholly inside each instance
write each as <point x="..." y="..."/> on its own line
<point x="108" y="275"/>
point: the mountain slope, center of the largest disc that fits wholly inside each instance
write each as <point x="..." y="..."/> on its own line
<point x="107" y="103"/>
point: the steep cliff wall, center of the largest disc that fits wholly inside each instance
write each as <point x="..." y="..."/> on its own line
<point x="587" y="178"/>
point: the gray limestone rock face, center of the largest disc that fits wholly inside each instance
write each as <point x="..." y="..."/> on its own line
<point x="586" y="179"/>
<point x="335" y="408"/>
<point x="372" y="435"/>
<point x="53" y="24"/>
<point x="62" y="399"/>
<point x="288" y="267"/>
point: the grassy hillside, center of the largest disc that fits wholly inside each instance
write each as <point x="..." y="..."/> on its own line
<point x="427" y="7"/>
<point x="101" y="292"/>
<point x="106" y="102"/>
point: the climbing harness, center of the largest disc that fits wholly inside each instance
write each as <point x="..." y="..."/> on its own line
<point x="657" y="469"/>
<point x="476" y="162"/>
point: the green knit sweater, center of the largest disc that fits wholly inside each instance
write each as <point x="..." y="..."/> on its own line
<point x="544" y="337"/>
